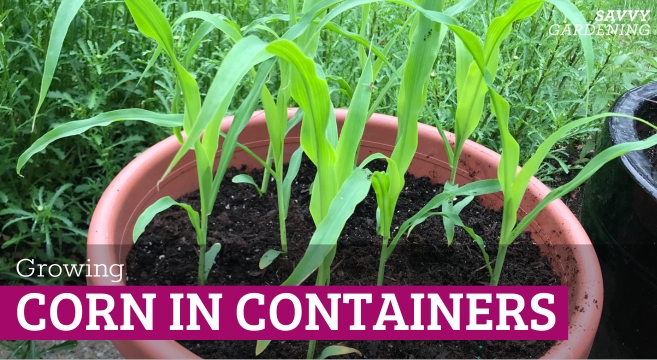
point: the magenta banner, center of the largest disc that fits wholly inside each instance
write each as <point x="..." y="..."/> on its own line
<point x="284" y="313"/>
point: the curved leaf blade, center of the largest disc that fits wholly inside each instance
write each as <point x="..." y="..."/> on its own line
<point x="246" y="179"/>
<point x="79" y="126"/>
<point x="336" y="350"/>
<point x="267" y="258"/>
<point x="65" y="14"/>
<point x="210" y="255"/>
<point x="157" y="207"/>
<point x="353" y="191"/>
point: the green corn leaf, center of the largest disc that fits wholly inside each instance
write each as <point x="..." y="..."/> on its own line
<point x="460" y="7"/>
<point x="261" y="345"/>
<point x="470" y="107"/>
<point x="500" y="27"/>
<point x="303" y="24"/>
<point x="456" y="220"/>
<point x="195" y="42"/>
<point x="309" y="40"/>
<point x="480" y="242"/>
<point x="65" y="14"/>
<point x="533" y="164"/>
<point x="151" y="62"/>
<point x="212" y="21"/>
<point x="241" y="118"/>
<point x="210" y="255"/>
<point x="219" y="21"/>
<point x="66" y="345"/>
<point x="446" y="144"/>
<point x="471" y="42"/>
<point x="275" y="127"/>
<point x="267" y="29"/>
<point x="311" y="92"/>
<point x="150" y="21"/>
<point x="371" y="158"/>
<point x="332" y="128"/>
<point x="335" y="350"/>
<point x="476" y="188"/>
<point x="319" y="8"/>
<point x="360" y="40"/>
<point x="420" y="219"/>
<point x="246" y="179"/>
<point x="294" y="121"/>
<point x="344" y="86"/>
<point x="458" y="208"/>
<point x="292" y="171"/>
<point x="463" y="61"/>
<point x="364" y="19"/>
<point x="387" y="187"/>
<point x="381" y="186"/>
<point x="591" y="168"/>
<point x="247" y="53"/>
<point x="353" y="191"/>
<point x="422" y="55"/>
<point x="157" y="207"/>
<point x="448" y="224"/>
<point x="77" y="127"/>
<point x="266" y="20"/>
<point x="268" y="257"/>
<point x="354" y="125"/>
<point x="427" y="9"/>
<point x="508" y="166"/>
<point x="385" y="91"/>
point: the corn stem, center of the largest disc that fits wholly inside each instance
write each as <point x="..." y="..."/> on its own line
<point x="202" y="241"/>
<point x="281" y="213"/>
<point x="311" y="349"/>
<point x="266" y="176"/>
<point x="499" y="262"/>
<point x="382" y="261"/>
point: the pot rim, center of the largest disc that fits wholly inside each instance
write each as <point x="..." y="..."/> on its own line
<point x="579" y="339"/>
<point x="623" y="130"/>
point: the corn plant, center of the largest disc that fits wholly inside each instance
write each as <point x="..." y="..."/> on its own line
<point x="426" y="40"/>
<point x="475" y="73"/>
<point x="278" y="127"/>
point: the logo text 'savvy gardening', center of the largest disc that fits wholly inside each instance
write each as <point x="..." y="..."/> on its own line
<point x="608" y="23"/>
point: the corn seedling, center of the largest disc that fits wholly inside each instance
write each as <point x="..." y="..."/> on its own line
<point x="427" y="35"/>
<point x="515" y="184"/>
<point x="476" y="70"/>
<point x="201" y="121"/>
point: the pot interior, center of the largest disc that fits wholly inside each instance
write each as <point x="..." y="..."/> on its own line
<point x="555" y="230"/>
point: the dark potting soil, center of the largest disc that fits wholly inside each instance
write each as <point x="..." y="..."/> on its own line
<point x="247" y="226"/>
<point x="645" y="132"/>
<point x="648" y="112"/>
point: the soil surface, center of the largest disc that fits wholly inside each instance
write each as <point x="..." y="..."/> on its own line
<point x="648" y="112"/>
<point x="247" y="226"/>
<point x="645" y="132"/>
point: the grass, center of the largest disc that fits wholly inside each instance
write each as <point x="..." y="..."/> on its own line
<point x="104" y="56"/>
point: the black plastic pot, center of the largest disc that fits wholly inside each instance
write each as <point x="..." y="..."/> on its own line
<point x="619" y="212"/>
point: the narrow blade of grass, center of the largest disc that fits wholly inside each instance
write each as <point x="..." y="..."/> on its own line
<point x="65" y="14"/>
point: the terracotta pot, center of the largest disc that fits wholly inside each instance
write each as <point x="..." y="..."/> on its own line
<point x="556" y="229"/>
